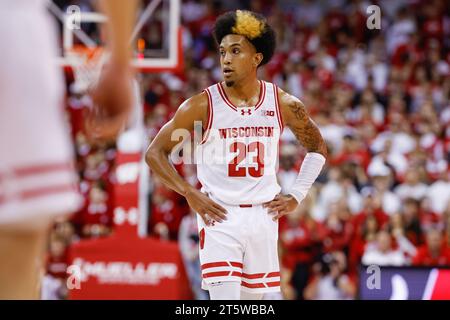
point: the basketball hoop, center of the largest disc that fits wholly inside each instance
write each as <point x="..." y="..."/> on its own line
<point x="86" y="64"/>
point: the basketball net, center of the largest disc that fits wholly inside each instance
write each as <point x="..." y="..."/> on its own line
<point x="86" y="65"/>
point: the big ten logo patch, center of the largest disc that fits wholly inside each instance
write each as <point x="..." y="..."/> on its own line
<point x="267" y="113"/>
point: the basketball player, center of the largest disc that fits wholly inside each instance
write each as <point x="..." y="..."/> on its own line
<point x="240" y="201"/>
<point x="37" y="178"/>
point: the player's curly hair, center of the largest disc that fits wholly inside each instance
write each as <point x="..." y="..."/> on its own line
<point x="251" y="25"/>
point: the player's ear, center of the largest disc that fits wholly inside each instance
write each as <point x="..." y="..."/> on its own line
<point x="257" y="58"/>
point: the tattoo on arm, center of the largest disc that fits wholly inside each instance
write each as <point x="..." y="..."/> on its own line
<point x="305" y="129"/>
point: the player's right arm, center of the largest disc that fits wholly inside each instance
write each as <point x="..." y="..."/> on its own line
<point x="157" y="157"/>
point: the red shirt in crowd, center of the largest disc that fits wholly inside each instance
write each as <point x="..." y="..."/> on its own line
<point x="300" y="240"/>
<point x="424" y="257"/>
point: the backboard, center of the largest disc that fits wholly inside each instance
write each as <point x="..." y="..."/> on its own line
<point x="156" y="38"/>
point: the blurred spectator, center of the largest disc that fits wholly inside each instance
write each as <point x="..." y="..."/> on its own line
<point x="398" y="134"/>
<point x="338" y="187"/>
<point x="288" y="171"/>
<point x="398" y="232"/>
<point x="300" y="237"/>
<point x="352" y="151"/>
<point x="54" y="280"/>
<point x="435" y="252"/>
<point x="382" y="179"/>
<point x="168" y="208"/>
<point x="366" y="225"/>
<point x="439" y="193"/>
<point x="330" y="281"/>
<point x="338" y="228"/>
<point x="412" y="187"/>
<point x="381" y="252"/>
<point x="412" y="221"/>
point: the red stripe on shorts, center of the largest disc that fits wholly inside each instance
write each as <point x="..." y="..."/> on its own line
<point x="222" y="274"/>
<point x="216" y="274"/>
<point x="221" y="264"/>
<point x="273" y="274"/>
<point x="252" y="285"/>
<point x="273" y="284"/>
<point x="253" y="275"/>
<point x="214" y="264"/>
<point x="237" y="264"/>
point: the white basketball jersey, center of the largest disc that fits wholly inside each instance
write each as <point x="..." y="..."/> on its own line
<point x="237" y="159"/>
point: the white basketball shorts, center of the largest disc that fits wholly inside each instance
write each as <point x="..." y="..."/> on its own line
<point x="37" y="175"/>
<point x="242" y="248"/>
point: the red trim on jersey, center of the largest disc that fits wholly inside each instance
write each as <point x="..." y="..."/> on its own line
<point x="202" y="238"/>
<point x="42" y="191"/>
<point x="236" y="274"/>
<point x="262" y="94"/>
<point x="210" y="117"/>
<point x="224" y="98"/>
<point x="277" y="107"/>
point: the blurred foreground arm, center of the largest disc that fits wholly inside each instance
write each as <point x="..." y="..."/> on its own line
<point x="113" y="94"/>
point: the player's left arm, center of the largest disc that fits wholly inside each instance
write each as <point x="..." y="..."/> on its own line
<point x="296" y="117"/>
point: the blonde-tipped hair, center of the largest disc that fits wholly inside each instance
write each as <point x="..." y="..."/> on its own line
<point x="248" y="25"/>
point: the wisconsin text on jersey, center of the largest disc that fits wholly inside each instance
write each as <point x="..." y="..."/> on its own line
<point x="246" y="132"/>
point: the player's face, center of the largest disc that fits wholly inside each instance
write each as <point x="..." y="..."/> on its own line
<point x="238" y="58"/>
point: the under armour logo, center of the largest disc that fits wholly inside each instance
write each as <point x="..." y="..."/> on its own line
<point x="248" y="111"/>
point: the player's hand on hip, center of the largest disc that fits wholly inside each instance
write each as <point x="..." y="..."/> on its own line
<point x="281" y="205"/>
<point x="112" y="100"/>
<point x="205" y="207"/>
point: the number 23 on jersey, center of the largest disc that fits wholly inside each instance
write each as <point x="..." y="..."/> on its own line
<point x="255" y="150"/>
